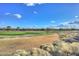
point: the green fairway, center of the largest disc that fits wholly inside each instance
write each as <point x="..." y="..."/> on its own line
<point x="13" y="33"/>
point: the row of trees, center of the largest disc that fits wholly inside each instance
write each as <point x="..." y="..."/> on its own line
<point x="24" y="29"/>
<point x="34" y="29"/>
<point x="9" y="28"/>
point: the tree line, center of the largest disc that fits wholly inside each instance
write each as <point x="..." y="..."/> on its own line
<point x="34" y="29"/>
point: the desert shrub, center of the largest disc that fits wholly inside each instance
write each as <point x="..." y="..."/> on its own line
<point x="21" y="53"/>
<point x="75" y="48"/>
<point x="62" y="48"/>
<point x="66" y="35"/>
<point x="63" y="36"/>
<point x="52" y="48"/>
<point x="39" y="52"/>
<point x="65" y="49"/>
<point x="57" y="42"/>
<point x="56" y="45"/>
<point x="48" y="47"/>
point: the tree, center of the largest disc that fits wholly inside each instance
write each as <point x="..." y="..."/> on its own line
<point x="8" y="27"/>
<point x="18" y="28"/>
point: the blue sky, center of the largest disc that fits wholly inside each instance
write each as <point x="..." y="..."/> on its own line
<point x="39" y="15"/>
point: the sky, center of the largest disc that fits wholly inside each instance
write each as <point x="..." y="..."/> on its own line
<point x="39" y="15"/>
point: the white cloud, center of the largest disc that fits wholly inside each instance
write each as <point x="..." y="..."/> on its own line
<point x="40" y="3"/>
<point x="32" y="4"/>
<point x="29" y="4"/>
<point x="52" y="21"/>
<point x="7" y="13"/>
<point x="70" y="24"/>
<point x="35" y="12"/>
<point x="76" y="16"/>
<point x="18" y="15"/>
<point x="65" y="23"/>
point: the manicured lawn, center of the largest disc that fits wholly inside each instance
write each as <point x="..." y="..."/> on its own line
<point x="13" y="33"/>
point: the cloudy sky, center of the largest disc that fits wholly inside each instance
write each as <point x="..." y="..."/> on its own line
<point x="39" y="15"/>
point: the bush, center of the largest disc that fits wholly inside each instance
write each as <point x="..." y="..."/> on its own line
<point x="65" y="49"/>
<point x="21" y="53"/>
<point x="48" y="47"/>
<point x="75" y="48"/>
<point x="39" y="52"/>
<point x="62" y="48"/>
<point x="52" y="48"/>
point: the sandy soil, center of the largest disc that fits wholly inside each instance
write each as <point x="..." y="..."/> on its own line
<point x="21" y="42"/>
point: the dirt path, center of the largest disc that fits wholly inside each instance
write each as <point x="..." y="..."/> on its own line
<point x="26" y="43"/>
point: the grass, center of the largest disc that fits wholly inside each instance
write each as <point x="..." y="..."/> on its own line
<point x="14" y="33"/>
